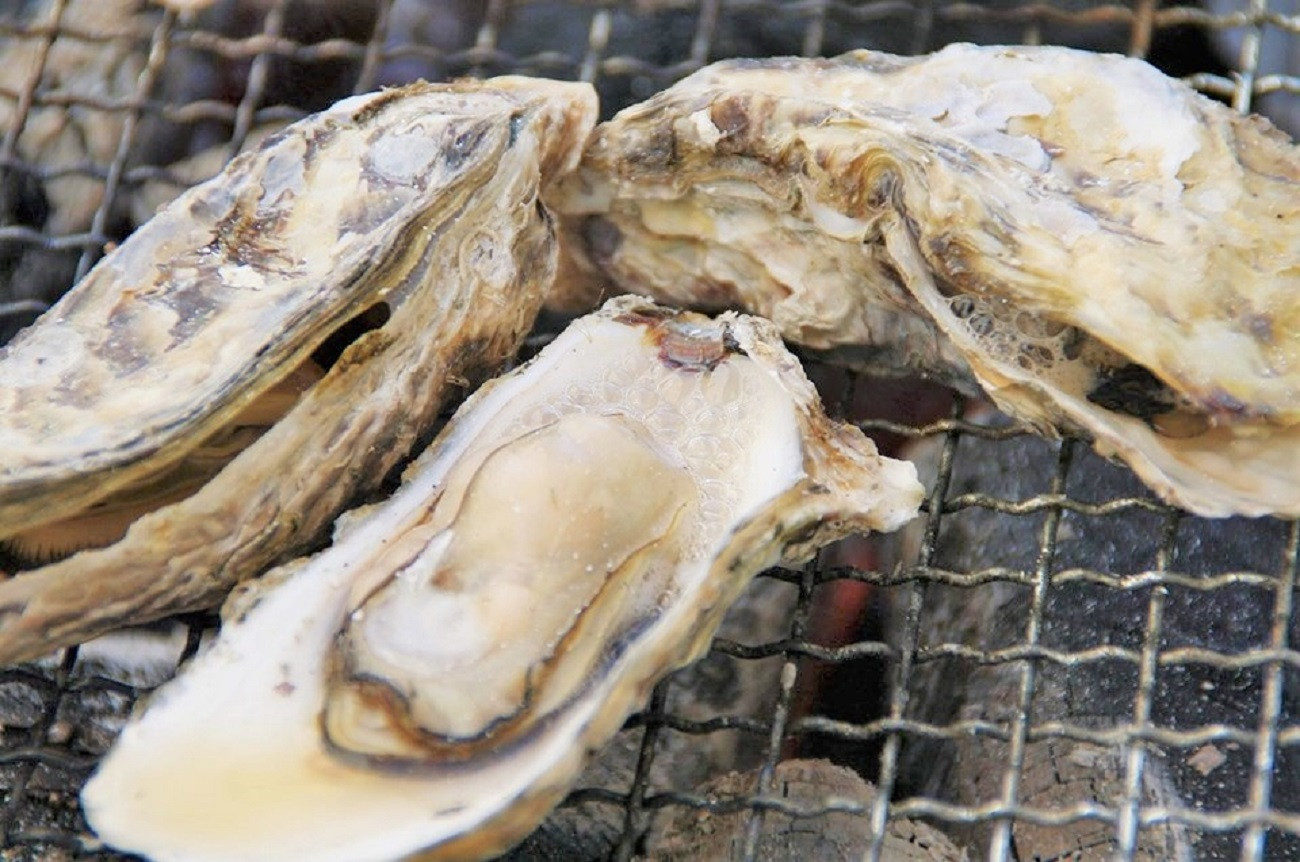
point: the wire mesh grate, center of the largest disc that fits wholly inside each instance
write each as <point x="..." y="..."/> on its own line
<point x="1050" y="664"/>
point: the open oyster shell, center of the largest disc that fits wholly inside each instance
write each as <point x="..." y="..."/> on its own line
<point x="437" y="676"/>
<point x="1100" y="247"/>
<point x="414" y="210"/>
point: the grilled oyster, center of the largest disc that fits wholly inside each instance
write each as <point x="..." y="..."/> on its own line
<point x="1101" y="248"/>
<point x="414" y="208"/>
<point x="436" y="677"/>
<point x="154" y="194"/>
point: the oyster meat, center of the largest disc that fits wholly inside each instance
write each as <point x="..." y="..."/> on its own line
<point x="206" y="349"/>
<point x="1101" y="248"/>
<point x="435" y="679"/>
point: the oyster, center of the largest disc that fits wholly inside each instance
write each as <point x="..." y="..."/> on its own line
<point x="1102" y="249"/>
<point x="406" y="220"/>
<point x="154" y="194"/>
<point x="436" y="677"/>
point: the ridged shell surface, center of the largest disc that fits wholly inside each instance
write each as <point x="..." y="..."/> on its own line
<point x="435" y="679"/>
<point x="1101" y="248"/>
<point x="419" y="204"/>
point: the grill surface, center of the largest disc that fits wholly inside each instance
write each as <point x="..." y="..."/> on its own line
<point x="1044" y="649"/>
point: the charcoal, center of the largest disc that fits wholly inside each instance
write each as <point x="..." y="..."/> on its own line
<point x="1229" y="618"/>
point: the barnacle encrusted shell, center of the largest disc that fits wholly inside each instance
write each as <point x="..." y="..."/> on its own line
<point x="420" y="203"/>
<point x="436" y="678"/>
<point x="1100" y="247"/>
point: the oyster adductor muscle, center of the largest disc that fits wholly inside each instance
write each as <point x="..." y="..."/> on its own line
<point x="436" y="677"/>
<point x="1099" y="247"/>
<point x="411" y="211"/>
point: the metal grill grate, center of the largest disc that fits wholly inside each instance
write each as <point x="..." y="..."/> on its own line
<point x="1050" y="666"/>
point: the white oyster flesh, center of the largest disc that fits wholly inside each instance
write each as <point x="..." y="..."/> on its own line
<point x="436" y="678"/>
<point x="1100" y="248"/>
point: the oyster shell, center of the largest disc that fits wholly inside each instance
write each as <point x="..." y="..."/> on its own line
<point x="437" y="676"/>
<point x="1099" y="247"/>
<point x="415" y="208"/>
<point x="155" y="193"/>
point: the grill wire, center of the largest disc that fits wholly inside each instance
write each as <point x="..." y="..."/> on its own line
<point x="260" y="61"/>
